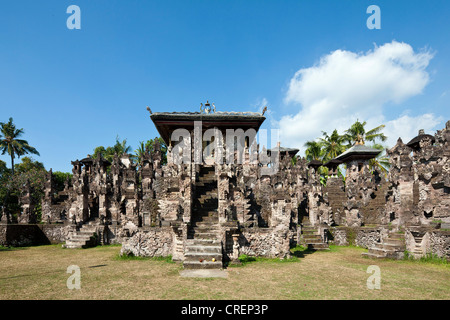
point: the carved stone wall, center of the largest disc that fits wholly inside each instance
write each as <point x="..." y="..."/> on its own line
<point x="364" y="237"/>
<point x="152" y="242"/>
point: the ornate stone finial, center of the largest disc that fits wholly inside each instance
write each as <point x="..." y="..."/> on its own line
<point x="149" y="110"/>
<point x="359" y="140"/>
<point x="207" y="107"/>
<point x="421" y="131"/>
<point x="264" y="110"/>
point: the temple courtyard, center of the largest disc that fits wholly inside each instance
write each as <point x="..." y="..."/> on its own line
<point x="40" y="272"/>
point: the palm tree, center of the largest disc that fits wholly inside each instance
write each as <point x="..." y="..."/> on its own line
<point x="313" y="150"/>
<point x="140" y="151"/>
<point x="121" y="147"/>
<point x="10" y="143"/>
<point x="332" y="145"/>
<point x="108" y="153"/>
<point x="151" y="144"/>
<point x="357" y="133"/>
<point x="381" y="162"/>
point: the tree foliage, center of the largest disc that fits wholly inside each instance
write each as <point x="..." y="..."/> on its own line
<point x="119" y="148"/>
<point x="28" y="174"/>
<point x="11" y="144"/>
<point x="60" y="179"/>
<point x="313" y="150"/>
<point x="330" y="146"/>
<point x="358" y="134"/>
<point x="149" y="146"/>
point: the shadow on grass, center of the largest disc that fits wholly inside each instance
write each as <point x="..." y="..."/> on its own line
<point x="2" y="248"/>
<point x="131" y="257"/>
<point x="297" y="253"/>
<point x="301" y="251"/>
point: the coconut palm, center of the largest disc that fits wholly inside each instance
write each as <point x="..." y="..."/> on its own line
<point x="109" y="152"/>
<point x="313" y="150"/>
<point x="140" y="151"/>
<point x="333" y="145"/>
<point x="11" y="144"/>
<point x="381" y="162"/>
<point x="358" y="134"/>
<point x="150" y="145"/>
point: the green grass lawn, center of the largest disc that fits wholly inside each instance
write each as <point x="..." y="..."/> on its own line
<point x="40" y="273"/>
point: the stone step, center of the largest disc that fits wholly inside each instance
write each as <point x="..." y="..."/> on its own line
<point x="203" y="173"/>
<point x="307" y="237"/>
<point x="211" y="223"/>
<point x="202" y="206"/>
<point x="393" y="247"/>
<point x="203" y="242"/>
<point x="86" y="231"/>
<point x="206" y="184"/>
<point x="373" y="255"/>
<point x="394" y="241"/>
<point x="318" y="246"/>
<point x="206" y="228"/>
<point x="80" y="237"/>
<point x="75" y="245"/>
<point x="204" y="212"/>
<point x="212" y="196"/>
<point x="396" y="236"/>
<point x="206" y="180"/>
<point x="378" y="251"/>
<point x="83" y="238"/>
<point x="202" y="265"/>
<point x="210" y="218"/>
<point x="205" y="256"/>
<point x="211" y="248"/>
<point x="206" y="177"/>
<point x="204" y="235"/>
<point x="204" y="223"/>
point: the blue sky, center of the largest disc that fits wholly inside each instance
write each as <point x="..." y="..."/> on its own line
<point x="73" y="90"/>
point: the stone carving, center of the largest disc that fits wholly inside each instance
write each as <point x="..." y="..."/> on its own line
<point x="152" y="207"/>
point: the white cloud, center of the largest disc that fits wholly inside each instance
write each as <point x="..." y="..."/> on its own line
<point x="409" y="127"/>
<point x="345" y="86"/>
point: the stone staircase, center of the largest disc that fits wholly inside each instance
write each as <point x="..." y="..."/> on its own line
<point x="203" y="246"/>
<point x="417" y="252"/>
<point x="311" y="237"/>
<point x="392" y="247"/>
<point x="83" y="237"/>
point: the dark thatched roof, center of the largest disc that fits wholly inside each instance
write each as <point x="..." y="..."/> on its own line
<point x="415" y="142"/>
<point x="358" y="152"/>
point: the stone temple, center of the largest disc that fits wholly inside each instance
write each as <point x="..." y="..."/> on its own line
<point x="220" y="196"/>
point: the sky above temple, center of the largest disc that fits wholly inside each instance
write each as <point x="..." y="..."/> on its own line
<point x="315" y="64"/>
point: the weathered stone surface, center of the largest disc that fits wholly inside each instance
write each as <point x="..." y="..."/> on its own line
<point x="150" y="208"/>
<point x="154" y="242"/>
